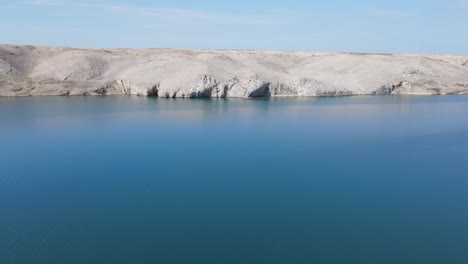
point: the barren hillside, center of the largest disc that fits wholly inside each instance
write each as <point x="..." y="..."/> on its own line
<point x="29" y="71"/>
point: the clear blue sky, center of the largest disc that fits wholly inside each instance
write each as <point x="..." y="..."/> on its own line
<point x="419" y="26"/>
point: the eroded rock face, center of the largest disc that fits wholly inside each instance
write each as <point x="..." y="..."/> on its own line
<point x="415" y="88"/>
<point x="121" y="87"/>
<point x="281" y="89"/>
<point x="153" y="91"/>
<point x="247" y="88"/>
<point x="385" y="89"/>
<point x="28" y="70"/>
<point x="115" y="87"/>
<point x="206" y="87"/>
<point x="312" y="87"/>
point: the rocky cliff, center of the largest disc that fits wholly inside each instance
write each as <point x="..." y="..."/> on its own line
<point x="30" y="70"/>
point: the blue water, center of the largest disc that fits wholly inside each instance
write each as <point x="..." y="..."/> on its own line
<point x="143" y="180"/>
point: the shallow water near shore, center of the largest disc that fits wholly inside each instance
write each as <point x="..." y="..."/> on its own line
<point x="146" y="180"/>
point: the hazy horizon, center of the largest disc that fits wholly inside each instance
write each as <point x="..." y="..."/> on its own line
<point x="423" y="27"/>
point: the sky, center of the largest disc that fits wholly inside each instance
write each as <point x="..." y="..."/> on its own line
<point x="397" y="26"/>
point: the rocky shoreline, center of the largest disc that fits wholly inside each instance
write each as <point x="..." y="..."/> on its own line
<point x="167" y="73"/>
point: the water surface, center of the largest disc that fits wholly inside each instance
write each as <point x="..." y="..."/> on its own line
<point x="144" y="180"/>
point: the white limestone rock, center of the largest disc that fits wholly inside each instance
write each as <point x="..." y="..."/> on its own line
<point x="30" y="71"/>
<point x="246" y="88"/>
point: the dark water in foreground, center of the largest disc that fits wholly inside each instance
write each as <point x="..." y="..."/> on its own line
<point x="141" y="180"/>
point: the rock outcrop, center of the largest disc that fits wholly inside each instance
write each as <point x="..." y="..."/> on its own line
<point x="30" y="71"/>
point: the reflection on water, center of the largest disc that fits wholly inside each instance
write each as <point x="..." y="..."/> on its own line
<point x="362" y="116"/>
<point x="286" y="180"/>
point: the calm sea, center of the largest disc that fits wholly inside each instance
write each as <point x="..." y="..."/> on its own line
<point x="143" y="180"/>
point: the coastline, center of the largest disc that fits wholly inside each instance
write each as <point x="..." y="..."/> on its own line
<point x="170" y="73"/>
